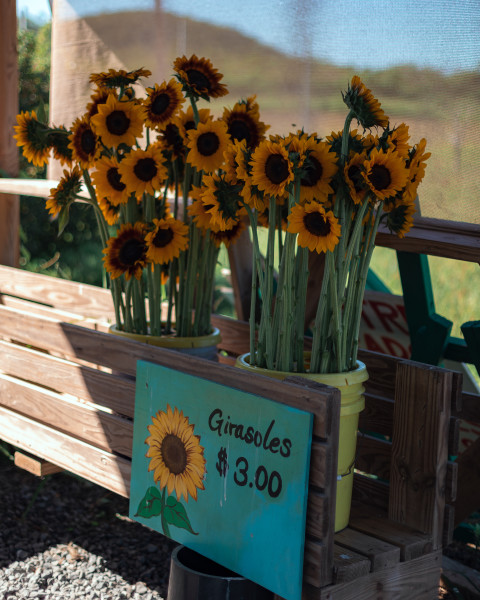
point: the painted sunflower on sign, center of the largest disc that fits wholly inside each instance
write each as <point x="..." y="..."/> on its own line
<point x="125" y="253"/>
<point x="168" y="238"/>
<point x="176" y="456"/>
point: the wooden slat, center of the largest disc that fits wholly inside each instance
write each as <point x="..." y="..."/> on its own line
<point x="416" y="580"/>
<point x="105" y="389"/>
<point x="82" y="421"/>
<point x="370" y="491"/>
<point x="34" y="465"/>
<point x="317" y="561"/>
<point x="436" y="237"/>
<point x="412" y="543"/>
<point x="87" y="300"/>
<point x="122" y="355"/>
<point x="380" y="554"/>
<point x="373" y="456"/>
<point x="348" y="565"/>
<point x="420" y="448"/>
<point x="377" y="416"/>
<point x="100" y="467"/>
<point x="468" y="493"/>
<point x="470" y="408"/>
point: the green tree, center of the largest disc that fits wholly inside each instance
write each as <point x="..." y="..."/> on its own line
<point x="76" y="254"/>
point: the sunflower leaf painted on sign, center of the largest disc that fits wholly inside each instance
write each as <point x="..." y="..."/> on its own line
<point x="224" y="472"/>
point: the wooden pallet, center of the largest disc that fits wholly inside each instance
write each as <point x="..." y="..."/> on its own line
<point x="67" y="393"/>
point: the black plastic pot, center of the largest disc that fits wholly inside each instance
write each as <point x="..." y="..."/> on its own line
<point x="194" y="577"/>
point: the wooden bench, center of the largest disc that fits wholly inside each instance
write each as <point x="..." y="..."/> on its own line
<point x="67" y="391"/>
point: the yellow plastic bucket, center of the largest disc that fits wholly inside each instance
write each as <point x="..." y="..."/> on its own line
<point x="204" y="346"/>
<point x="352" y="402"/>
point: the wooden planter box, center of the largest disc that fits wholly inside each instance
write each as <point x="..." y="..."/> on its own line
<point x="67" y="391"/>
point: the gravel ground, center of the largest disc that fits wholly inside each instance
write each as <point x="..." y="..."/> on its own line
<point x="62" y="538"/>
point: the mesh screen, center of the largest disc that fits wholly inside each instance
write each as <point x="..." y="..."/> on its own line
<point x="420" y="59"/>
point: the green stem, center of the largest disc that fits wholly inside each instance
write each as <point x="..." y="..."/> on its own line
<point x="165" y="527"/>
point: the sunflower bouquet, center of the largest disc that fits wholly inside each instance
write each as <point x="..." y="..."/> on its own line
<point x="156" y="176"/>
<point x="325" y="197"/>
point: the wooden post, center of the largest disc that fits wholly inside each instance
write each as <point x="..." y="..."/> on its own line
<point x="9" y="204"/>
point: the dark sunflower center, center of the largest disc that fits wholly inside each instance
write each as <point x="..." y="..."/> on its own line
<point x="313" y="172"/>
<point x="174" y="454"/>
<point x="276" y="168"/>
<point x="354" y="174"/>
<point x="145" y="169"/>
<point x="380" y="177"/>
<point x="117" y="122"/>
<point x="198" y="79"/>
<point x="88" y="141"/>
<point x="189" y="125"/>
<point x="160" y="104"/>
<point x="316" y="224"/>
<point x="239" y="130"/>
<point x="113" y="178"/>
<point x="208" y="143"/>
<point x="162" y="238"/>
<point x="131" y="251"/>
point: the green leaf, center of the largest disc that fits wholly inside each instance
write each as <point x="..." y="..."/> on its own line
<point x="63" y="218"/>
<point x="150" y="505"/>
<point x="175" y="514"/>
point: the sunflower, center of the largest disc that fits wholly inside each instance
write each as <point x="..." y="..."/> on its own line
<point x="143" y="171"/>
<point x="126" y="253"/>
<point x="161" y="103"/>
<point x="317" y="229"/>
<point x="223" y="199"/>
<point x="185" y="119"/>
<point x="281" y="216"/>
<point x="355" y="141"/>
<point x="398" y="140"/>
<point x="165" y="242"/>
<point x="108" y="182"/>
<point x="59" y="142"/>
<point x="121" y="78"/>
<point x="33" y="137"/>
<point x="199" y="78"/>
<point x="416" y="167"/>
<point x="243" y="122"/>
<point x="100" y="96"/>
<point x="227" y="236"/>
<point x="317" y="171"/>
<point x="253" y="197"/>
<point x="176" y="457"/>
<point x="110" y="211"/>
<point x="199" y="210"/>
<point x="83" y="143"/>
<point x="363" y="104"/>
<point x="272" y="169"/>
<point x="353" y="177"/>
<point x="118" y="122"/>
<point x="66" y="191"/>
<point x="385" y="173"/>
<point x="206" y="144"/>
<point x="242" y="160"/>
<point x="400" y="219"/>
<point x="172" y="141"/>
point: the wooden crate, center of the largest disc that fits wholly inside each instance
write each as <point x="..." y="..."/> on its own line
<point x="67" y="393"/>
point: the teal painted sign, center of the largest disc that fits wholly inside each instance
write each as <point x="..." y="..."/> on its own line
<point x="223" y="472"/>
